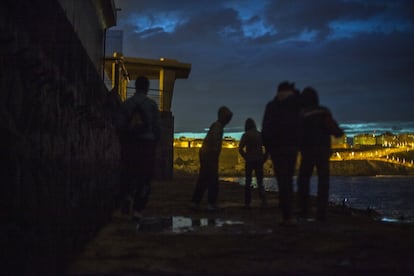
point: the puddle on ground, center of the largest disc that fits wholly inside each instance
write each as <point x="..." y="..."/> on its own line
<point x="186" y="224"/>
<point x="394" y="220"/>
<point x="181" y="224"/>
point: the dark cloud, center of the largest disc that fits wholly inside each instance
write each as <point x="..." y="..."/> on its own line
<point x="293" y="17"/>
<point x="358" y="54"/>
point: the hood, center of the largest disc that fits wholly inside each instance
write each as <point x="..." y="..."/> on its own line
<point x="250" y="124"/>
<point x="224" y="115"/>
<point x="284" y="94"/>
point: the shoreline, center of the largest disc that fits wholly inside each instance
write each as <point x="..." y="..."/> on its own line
<point x="253" y="244"/>
<point x="231" y="164"/>
<point x="392" y="213"/>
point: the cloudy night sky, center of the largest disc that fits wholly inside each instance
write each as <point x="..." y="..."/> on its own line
<point x="358" y="54"/>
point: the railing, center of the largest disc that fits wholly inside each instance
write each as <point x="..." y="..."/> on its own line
<point x="152" y="93"/>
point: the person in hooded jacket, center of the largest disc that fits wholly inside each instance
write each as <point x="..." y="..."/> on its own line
<point x="315" y="150"/>
<point x="282" y="130"/>
<point x="138" y="148"/>
<point x="208" y="178"/>
<point x="252" y="150"/>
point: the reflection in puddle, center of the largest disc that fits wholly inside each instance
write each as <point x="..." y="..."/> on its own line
<point x="180" y="224"/>
<point x="186" y="224"/>
<point x="394" y="220"/>
<point x="389" y="220"/>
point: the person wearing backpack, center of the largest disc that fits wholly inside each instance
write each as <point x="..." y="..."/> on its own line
<point x="140" y="133"/>
<point x="318" y="126"/>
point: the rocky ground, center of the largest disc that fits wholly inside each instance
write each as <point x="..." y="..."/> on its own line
<point x="177" y="240"/>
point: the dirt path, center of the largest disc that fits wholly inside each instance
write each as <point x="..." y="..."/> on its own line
<point x="174" y="239"/>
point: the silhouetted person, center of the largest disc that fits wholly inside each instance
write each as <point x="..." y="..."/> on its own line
<point x="318" y="125"/>
<point x="252" y="150"/>
<point x="141" y="132"/>
<point x="208" y="178"/>
<point x="281" y="130"/>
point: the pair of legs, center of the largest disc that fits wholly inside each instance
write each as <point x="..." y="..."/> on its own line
<point x="284" y="163"/>
<point x="138" y="165"/>
<point x="207" y="180"/>
<point x="139" y="189"/>
<point x="257" y="167"/>
<point x="312" y="158"/>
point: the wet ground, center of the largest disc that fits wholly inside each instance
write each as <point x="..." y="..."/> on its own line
<point x="173" y="239"/>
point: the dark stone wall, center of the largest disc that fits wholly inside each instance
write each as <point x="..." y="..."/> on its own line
<point x="59" y="153"/>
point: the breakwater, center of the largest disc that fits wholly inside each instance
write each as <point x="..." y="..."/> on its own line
<point x="368" y="168"/>
<point x="232" y="164"/>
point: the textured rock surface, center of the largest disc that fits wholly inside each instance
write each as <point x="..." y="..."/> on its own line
<point x="59" y="153"/>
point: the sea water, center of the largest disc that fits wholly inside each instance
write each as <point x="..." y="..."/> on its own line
<point x="391" y="196"/>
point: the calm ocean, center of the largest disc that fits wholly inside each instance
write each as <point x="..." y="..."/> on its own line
<point x="391" y="196"/>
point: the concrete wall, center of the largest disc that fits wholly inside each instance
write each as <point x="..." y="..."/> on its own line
<point x="59" y="154"/>
<point x="164" y="160"/>
<point x="84" y="19"/>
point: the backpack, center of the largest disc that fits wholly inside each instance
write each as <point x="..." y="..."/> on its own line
<point x="138" y="121"/>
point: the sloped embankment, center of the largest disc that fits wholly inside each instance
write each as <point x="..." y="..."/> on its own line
<point x="368" y="167"/>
